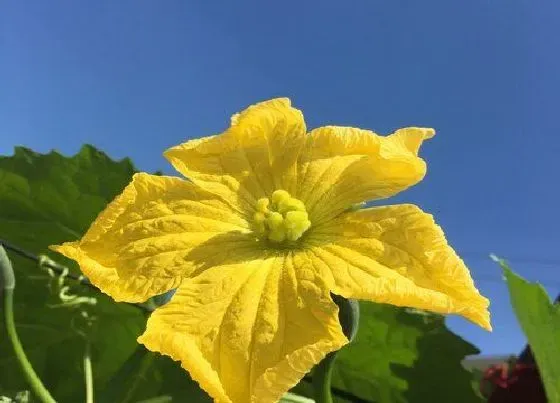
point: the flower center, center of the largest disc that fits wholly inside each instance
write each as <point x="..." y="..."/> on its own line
<point x="283" y="218"/>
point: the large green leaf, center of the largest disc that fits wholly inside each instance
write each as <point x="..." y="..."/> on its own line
<point x="401" y="355"/>
<point x="48" y="199"/>
<point x="539" y="318"/>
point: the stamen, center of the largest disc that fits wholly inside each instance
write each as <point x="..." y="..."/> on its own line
<point x="285" y="218"/>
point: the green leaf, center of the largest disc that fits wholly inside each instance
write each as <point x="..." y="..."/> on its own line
<point x="540" y="320"/>
<point x="402" y="355"/>
<point x="47" y="199"/>
<point x="293" y="398"/>
<point x="159" y="399"/>
<point x="124" y="384"/>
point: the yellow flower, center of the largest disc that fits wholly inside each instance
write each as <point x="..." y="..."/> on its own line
<point x="260" y="236"/>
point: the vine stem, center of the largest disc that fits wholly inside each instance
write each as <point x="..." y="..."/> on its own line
<point x="322" y="379"/>
<point x="8" y="283"/>
<point x="59" y="269"/>
<point x="349" y="318"/>
<point x="88" y="373"/>
<point x="147" y="360"/>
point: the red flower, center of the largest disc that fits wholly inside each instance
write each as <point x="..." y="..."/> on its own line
<point x="513" y="383"/>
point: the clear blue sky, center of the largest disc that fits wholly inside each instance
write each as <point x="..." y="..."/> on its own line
<point x="135" y="77"/>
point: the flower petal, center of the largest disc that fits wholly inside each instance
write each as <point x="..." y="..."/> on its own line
<point x="251" y="159"/>
<point x="345" y="166"/>
<point x="152" y="235"/>
<point x="248" y="332"/>
<point x="397" y="255"/>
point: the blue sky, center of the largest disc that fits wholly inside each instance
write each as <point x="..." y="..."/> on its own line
<point x="135" y="77"/>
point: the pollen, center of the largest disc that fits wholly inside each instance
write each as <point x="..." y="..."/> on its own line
<point x="281" y="218"/>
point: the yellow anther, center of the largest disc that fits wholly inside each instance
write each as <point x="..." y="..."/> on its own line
<point x="262" y="204"/>
<point x="279" y="195"/>
<point x="277" y="235"/>
<point x="295" y="218"/>
<point x="290" y="205"/>
<point x="275" y="220"/>
<point x="296" y="223"/>
<point x="284" y="219"/>
<point x="260" y="219"/>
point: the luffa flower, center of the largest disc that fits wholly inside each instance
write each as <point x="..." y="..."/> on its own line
<point x="258" y="238"/>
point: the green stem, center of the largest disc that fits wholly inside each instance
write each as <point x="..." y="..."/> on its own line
<point x="88" y="373"/>
<point x="322" y="379"/>
<point x="139" y="377"/>
<point x="58" y="269"/>
<point x="349" y="318"/>
<point x="7" y="280"/>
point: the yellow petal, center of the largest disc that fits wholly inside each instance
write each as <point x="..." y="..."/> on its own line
<point x="396" y="255"/>
<point x="249" y="331"/>
<point x="251" y="159"/>
<point x="342" y="166"/>
<point x="157" y="231"/>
